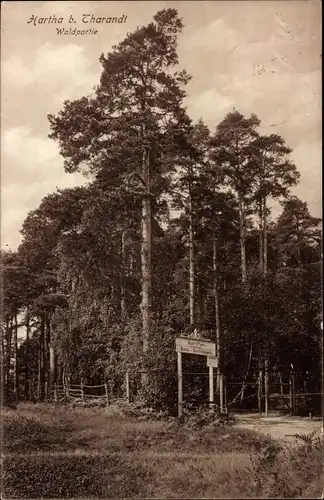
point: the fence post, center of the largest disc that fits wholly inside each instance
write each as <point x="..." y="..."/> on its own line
<point x="31" y="390"/>
<point x="293" y="390"/>
<point x="260" y="392"/>
<point x="281" y="386"/>
<point x="211" y="387"/>
<point x="39" y="381"/>
<point x="305" y="385"/>
<point x="266" y="388"/>
<point x="67" y="392"/>
<point x="225" y="394"/>
<point x="290" y="395"/>
<point x="180" y="387"/>
<point x="82" y="391"/>
<point x="107" y="395"/>
<point x="281" y="390"/>
<point x="221" y="393"/>
<point x="127" y="386"/>
<point x="55" y="394"/>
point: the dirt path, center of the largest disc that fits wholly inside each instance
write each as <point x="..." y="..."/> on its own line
<point x="279" y="427"/>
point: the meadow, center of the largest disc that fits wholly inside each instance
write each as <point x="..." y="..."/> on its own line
<point x="63" y="452"/>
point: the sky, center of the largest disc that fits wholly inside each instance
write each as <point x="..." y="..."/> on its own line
<point x="261" y="57"/>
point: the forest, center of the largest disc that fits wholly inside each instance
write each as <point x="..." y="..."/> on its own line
<point x="171" y="233"/>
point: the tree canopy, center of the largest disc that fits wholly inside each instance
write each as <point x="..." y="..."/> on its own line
<point x="173" y="232"/>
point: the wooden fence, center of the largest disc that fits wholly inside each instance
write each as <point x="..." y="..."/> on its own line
<point x="267" y="392"/>
<point x="76" y="392"/>
<point x="81" y="393"/>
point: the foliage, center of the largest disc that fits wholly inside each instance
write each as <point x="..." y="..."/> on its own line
<point x="92" y="476"/>
<point x="202" y="417"/>
<point x="281" y="472"/>
<point x="103" y="453"/>
<point x="142" y="413"/>
<point x="90" y="254"/>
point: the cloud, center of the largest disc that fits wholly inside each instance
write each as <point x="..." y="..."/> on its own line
<point x="239" y="56"/>
<point x="211" y="105"/>
<point x="61" y="69"/>
<point x="17" y="201"/>
<point x="308" y="158"/>
<point x="26" y="156"/>
<point x="31" y="167"/>
<point x="216" y="36"/>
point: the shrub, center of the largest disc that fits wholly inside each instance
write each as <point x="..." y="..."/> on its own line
<point x="70" y="476"/>
<point x="23" y="433"/>
<point x="141" y="412"/>
<point x="27" y="432"/>
<point x="281" y="472"/>
<point x="201" y="417"/>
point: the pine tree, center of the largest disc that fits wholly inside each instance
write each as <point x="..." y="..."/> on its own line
<point x="274" y="175"/>
<point x="122" y="134"/>
<point x="231" y="150"/>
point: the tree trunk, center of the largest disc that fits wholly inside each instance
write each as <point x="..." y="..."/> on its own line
<point x="3" y="367"/>
<point x="122" y="278"/>
<point x="47" y="343"/>
<point x="146" y="256"/>
<point x="242" y="239"/>
<point x="265" y="238"/>
<point x="261" y="238"/>
<point x="27" y="381"/>
<point x="9" y="329"/>
<point x="217" y="315"/>
<point x="200" y="303"/>
<point x="191" y="260"/>
<point x="59" y="370"/>
<point x="244" y="384"/>
<point x="41" y="361"/>
<point x="52" y="368"/>
<point x="146" y="271"/>
<point x="16" y="368"/>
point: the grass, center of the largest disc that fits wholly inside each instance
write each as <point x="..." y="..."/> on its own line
<point x="59" y="452"/>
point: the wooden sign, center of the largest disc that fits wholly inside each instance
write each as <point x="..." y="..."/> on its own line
<point x="202" y="347"/>
<point x="188" y="345"/>
<point x="212" y="361"/>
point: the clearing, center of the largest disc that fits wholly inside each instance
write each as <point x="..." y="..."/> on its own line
<point x="62" y="452"/>
<point x="279" y="427"/>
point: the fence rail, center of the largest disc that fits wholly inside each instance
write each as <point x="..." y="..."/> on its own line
<point x="262" y="393"/>
<point x="79" y="392"/>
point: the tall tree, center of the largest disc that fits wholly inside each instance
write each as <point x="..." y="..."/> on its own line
<point x="192" y="155"/>
<point x="297" y="233"/>
<point x="275" y="174"/>
<point x="231" y="150"/>
<point x="13" y="288"/>
<point x="122" y="133"/>
<point x="41" y="232"/>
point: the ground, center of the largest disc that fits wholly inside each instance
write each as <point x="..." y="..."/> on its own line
<point x="62" y="452"/>
<point x="280" y="427"/>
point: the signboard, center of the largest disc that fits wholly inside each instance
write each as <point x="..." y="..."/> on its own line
<point x="188" y="345"/>
<point x="212" y="361"/>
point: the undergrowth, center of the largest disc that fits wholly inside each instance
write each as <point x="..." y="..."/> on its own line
<point x="59" y="452"/>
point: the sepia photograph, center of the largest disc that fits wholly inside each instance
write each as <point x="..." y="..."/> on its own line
<point x="161" y="249"/>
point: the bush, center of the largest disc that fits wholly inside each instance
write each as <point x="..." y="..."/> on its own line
<point x="280" y="472"/>
<point x="141" y="412"/>
<point x="88" y="403"/>
<point x="201" y="417"/>
<point x="90" y="453"/>
<point x="25" y="433"/>
<point x="28" y="432"/>
<point x="70" y="476"/>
